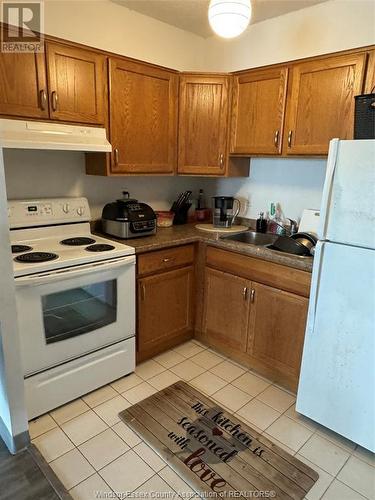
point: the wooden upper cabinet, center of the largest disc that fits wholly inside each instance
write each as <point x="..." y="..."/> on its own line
<point x="77" y="84"/>
<point x="321" y="102"/>
<point x="277" y="328"/>
<point x="370" y="73"/>
<point x="258" y="111"/>
<point x="23" y="85"/>
<point x="143" y="118"/>
<point x="226" y="309"/>
<point x="203" y="124"/>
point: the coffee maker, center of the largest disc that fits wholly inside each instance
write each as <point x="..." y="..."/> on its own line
<point x="223" y="211"/>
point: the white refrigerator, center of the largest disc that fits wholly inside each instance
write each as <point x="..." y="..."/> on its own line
<point x="337" y="381"/>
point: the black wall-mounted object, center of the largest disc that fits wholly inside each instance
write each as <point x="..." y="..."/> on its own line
<point x="364" y="116"/>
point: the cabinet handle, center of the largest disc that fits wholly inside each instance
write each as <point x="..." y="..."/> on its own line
<point x="168" y="259"/>
<point x="252" y="295"/>
<point x="221" y="160"/>
<point x="244" y="292"/>
<point x="276" y="138"/>
<point x="54" y="100"/>
<point x="115" y="152"/>
<point x="290" y="133"/>
<point x="143" y="292"/>
<point x="43" y="99"/>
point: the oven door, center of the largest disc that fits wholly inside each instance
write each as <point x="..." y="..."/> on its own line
<point x="67" y="313"/>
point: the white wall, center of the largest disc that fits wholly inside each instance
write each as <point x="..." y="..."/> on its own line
<point x="326" y="27"/>
<point x="12" y="407"/>
<point x="294" y="183"/>
<point x="109" y="26"/>
<point x="34" y="174"/>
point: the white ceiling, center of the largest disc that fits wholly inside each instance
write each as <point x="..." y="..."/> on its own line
<point x="191" y="15"/>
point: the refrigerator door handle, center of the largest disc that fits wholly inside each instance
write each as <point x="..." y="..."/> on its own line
<point x="315" y="285"/>
<point x="327" y="191"/>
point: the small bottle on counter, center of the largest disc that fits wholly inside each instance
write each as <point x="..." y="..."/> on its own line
<point x="261" y="224"/>
<point x="201" y="204"/>
<point x="200" y="210"/>
<point x="276" y="224"/>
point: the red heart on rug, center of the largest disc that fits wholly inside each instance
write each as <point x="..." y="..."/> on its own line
<point x="217" y="432"/>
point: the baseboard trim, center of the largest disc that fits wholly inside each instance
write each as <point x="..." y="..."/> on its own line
<point x="16" y="443"/>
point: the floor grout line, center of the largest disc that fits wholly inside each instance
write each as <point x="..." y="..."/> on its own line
<point x="314" y="431"/>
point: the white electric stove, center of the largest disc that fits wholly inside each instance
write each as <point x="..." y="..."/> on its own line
<point x="75" y="296"/>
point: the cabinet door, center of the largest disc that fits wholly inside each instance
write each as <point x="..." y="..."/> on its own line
<point x="258" y="111"/>
<point x="321" y="104"/>
<point x="370" y="73"/>
<point x="203" y="124"/>
<point x="23" y="85"/>
<point x="143" y="118"/>
<point x="165" y="307"/>
<point x="76" y="83"/>
<point x="277" y="328"/>
<point x="226" y="309"/>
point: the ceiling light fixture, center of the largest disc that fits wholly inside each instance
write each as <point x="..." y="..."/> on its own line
<point x="229" y="18"/>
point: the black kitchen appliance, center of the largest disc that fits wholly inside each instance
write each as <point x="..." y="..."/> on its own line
<point x="364" y="116"/>
<point x="223" y="212"/>
<point x="128" y="218"/>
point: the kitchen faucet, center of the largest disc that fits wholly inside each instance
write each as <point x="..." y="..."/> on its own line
<point x="288" y="230"/>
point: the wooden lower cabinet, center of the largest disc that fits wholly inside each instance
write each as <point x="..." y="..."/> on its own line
<point x="226" y="309"/>
<point x="277" y="328"/>
<point x="260" y="325"/>
<point x="165" y="311"/>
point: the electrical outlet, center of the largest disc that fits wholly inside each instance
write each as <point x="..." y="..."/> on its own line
<point x="245" y="205"/>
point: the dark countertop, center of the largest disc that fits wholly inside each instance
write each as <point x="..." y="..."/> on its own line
<point x="187" y="233"/>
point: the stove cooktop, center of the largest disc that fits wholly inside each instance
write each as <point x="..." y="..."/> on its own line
<point x="100" y="247"/>
<point x="77" y="241"/>
<point x="32" y="257"/>
<point x="20" y="248"/>
<point x="38" y="250"/>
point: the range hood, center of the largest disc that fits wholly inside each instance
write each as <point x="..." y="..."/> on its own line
<point x="21" y="134"/>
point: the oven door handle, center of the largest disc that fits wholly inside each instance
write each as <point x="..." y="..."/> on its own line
<point x="64" y="274"/>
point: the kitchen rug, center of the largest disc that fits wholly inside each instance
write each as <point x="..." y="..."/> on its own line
<point x="213" y="451"/>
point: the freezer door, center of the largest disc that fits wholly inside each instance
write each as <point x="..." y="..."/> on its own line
<point x="337" y="380"/>
<point x="348" y="202"/>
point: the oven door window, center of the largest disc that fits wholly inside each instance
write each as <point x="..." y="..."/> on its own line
<point x="80" y="310"/>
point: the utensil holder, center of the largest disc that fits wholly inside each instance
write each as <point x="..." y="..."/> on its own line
<point x="181" y="215"/>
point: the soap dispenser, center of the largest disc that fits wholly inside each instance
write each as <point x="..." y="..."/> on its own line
<point x="261" y="224"/>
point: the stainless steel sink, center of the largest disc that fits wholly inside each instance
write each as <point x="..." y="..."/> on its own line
<point x="271" y="247"/>
<point x="253" y="238"/>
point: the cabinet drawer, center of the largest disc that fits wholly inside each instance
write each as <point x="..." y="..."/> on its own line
<point x="268" y="273"/>
<point x="162" y="260"/>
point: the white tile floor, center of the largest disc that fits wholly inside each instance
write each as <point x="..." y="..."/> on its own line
<point x="95" y="454"/>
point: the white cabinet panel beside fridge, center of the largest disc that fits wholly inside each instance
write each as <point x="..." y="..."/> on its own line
<point x="337" y="381"/>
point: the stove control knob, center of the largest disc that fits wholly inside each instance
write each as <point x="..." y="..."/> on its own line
<point x="66" y="208"/>
<point x="80" y="210"/>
